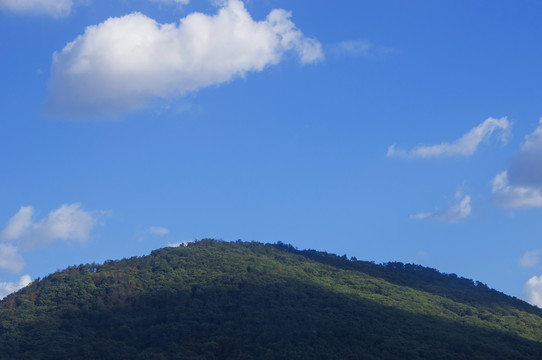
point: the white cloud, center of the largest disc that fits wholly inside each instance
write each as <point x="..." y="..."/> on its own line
<point x="525" y="168"/>
<point x="533" y="141"/>
<point x="178" y="2"/>
<point x="158" y="230"/>
<point x="123" y="63"/>
<point x="7" y="288"/>
<point x="453" y="214"/>
<point x="420" y="256"/>
<point x="69" y="222"/>
<point x="54" y="8"/>
<point x="10" y="258"/>
<point x="464" y="146"/>
<point x="19" y="225"/>
<point x="532" y="291"/>
<point x="530" y="258"/>
<point x="357" y="47"/>
<point x="514" y="196"/>
<point x="361" y="48"/>
<point x="520" y="186"/>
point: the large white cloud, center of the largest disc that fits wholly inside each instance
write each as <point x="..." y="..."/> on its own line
<point x="452" y="214"/>
<point x="122" y="63"/>
<point x="54" y="8"/>
<point x="532" y="291"/>
<point x="464" y="146"/>
<point x="7" y="288"/>
<point x="520" y="186"/>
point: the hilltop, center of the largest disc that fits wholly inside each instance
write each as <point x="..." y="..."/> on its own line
<point x="247" y="300"/>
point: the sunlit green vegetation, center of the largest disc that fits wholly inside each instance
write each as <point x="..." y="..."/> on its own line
<point x="219" y="300"/>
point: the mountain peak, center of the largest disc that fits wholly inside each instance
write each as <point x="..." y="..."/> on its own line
<point x="232" y="300"/>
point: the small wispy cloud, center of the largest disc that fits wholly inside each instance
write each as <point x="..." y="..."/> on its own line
<point x="362" y="48"/>
<point x="355" y="47"/>
<point x="530" y="259"/>
<point x="7" y="288"/>
<point x="176" y="2"/>
<point x="464" y="146"/>
<point x="152" y="232"/>
<point x="452" y="214"/>
<point x="158" y="230"/>
<point x="420" y="256"/>
<point x="54" y="8"/>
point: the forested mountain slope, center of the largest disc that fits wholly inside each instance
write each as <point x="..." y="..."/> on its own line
<point x="221" y="300"/>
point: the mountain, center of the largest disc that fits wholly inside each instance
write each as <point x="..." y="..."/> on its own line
<point x="247" y="300"/>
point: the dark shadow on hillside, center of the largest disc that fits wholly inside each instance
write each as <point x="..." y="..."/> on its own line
<point x="266" y="318"/>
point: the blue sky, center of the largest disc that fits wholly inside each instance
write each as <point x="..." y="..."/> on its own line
<point x="384" y="130"/>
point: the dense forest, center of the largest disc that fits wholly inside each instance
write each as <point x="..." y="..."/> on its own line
<point x="247" y="300"/>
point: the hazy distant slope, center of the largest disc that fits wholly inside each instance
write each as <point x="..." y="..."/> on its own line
<point x="218" y="300"/>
